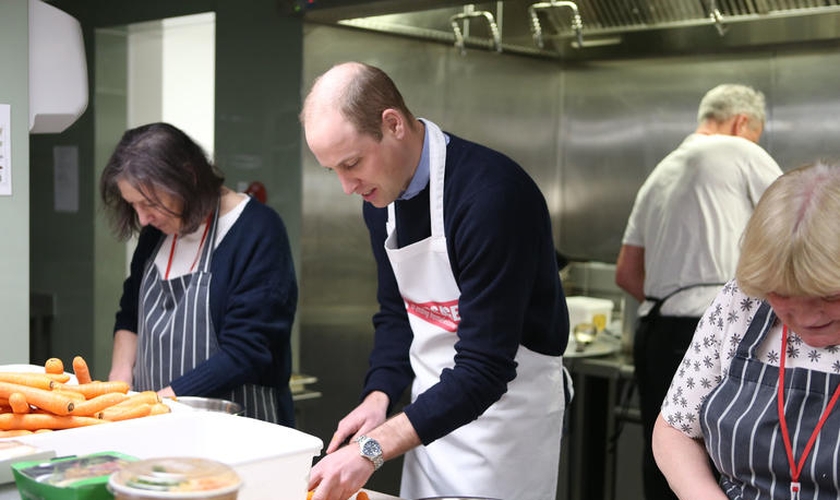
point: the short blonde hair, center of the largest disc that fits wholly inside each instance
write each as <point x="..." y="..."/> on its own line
<point x="791" y="245"/>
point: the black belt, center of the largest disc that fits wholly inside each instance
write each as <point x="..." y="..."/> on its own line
<point x="657" y="303"/>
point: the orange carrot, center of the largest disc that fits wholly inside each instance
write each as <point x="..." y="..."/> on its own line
<point x="96" y="404"/>
<point x="309" y="494"/>
<point x="52" y="401"/>
<point x="97" y="388"/>
<point x="36" y="421"/>
<point x="14" y="433"/>
<point x="76" y="396"/>
<point x="114" y="414"/>
<point x="39" y="380"/>
<point x="80" y="369"/>
<point x="18" y="403"/>
<point x="160" y="408"/>
<point x="54" y="365"/>
<point x="58" y="377"/>
<point x="362" y="496"/>
<point x="145" y="397"/>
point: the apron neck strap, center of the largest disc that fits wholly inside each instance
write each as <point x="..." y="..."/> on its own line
<point x="207" y="251"/>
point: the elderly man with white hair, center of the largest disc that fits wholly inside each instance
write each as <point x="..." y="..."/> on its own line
<point x="681" y="241"/>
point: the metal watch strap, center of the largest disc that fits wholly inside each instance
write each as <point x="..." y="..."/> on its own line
<point x="370" y="449"/>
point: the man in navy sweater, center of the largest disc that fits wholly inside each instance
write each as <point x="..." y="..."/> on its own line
<point x="472" y="313"/>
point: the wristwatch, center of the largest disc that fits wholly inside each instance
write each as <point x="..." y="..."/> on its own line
<point x="370" y="449"/>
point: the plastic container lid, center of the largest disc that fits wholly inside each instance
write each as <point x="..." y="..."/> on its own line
<point x="175" y="478"/>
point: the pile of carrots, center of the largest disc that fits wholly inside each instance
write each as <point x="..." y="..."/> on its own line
<point x="33" y="402"/>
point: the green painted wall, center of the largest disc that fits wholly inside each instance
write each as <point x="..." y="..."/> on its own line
<point x="14" y="210"/>
<point x="258" y="78"/>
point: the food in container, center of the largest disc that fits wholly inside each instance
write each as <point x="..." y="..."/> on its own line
<point x="273" y="461"/>
<point x="13" y="451"/>
<point x="69" y="478"/>
<point x="175" y="478"/>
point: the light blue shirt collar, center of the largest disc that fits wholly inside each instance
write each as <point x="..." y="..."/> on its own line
<point x="421" y="175"/>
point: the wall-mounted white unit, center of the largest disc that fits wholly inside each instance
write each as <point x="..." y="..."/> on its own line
<point x="58" y="83"/>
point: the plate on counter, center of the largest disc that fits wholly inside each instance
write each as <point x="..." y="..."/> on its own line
<point x="603" y="345"/>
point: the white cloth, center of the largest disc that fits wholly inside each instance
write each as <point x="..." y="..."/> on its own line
<point x="690" y="213"/>
<point x="494" y="455"/>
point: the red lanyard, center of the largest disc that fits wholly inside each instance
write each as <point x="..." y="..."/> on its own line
<point x="795" y="469"/>
<point x="172" y="250"/>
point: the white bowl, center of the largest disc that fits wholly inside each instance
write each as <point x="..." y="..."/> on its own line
<point x="211" y="404"/>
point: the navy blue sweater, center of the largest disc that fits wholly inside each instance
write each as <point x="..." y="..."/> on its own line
<point x="253" y="297"/>
<point x="502" y="255"/>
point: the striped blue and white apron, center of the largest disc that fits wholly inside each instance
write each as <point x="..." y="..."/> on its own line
<point x="176" y="333"/>
<point x="742" y="432"/>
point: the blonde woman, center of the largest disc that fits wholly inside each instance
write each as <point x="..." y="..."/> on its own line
<point x="756" y="390"/>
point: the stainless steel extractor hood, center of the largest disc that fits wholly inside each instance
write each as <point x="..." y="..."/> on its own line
<point x="601" y="27"/>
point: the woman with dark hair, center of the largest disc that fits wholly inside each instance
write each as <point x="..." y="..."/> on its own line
<point x="178" y="331"/>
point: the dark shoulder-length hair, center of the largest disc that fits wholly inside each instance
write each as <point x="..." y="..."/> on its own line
<point x="160" y="158"/>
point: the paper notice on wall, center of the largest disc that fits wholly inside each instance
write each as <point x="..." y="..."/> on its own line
<point x="66" y="178"/>
<point x="5" y="150"/>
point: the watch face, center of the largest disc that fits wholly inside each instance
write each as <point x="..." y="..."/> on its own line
<point x="371" y="448"/>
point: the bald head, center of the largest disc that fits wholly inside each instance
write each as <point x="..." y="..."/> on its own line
<point x="360" y="93"/>
<point x="356" y="124"/>
<point x="328" y="90"/>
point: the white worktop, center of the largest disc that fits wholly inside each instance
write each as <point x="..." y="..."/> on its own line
<point x="10" y="492"/>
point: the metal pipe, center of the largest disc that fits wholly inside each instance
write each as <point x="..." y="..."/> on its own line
<point x="717" y="18"/>
<point x="491" y="22"/>
<point x="536" y="29"/>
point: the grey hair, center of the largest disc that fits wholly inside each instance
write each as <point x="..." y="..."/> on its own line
<point x="727" y="100"/>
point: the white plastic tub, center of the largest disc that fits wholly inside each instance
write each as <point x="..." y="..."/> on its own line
<point x="589" y="310"/>
<point x="273" y="461"/>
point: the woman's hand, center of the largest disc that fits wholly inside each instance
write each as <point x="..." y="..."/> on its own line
<point x="167" y="392"/>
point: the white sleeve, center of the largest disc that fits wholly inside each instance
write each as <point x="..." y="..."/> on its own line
<point x="634" y="232"/>
<point x="763" y="171"/>
<point x="707" y="360"/>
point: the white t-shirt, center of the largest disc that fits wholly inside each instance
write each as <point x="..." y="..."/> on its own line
<point x="187" y="249"/>
<point x="690" y="213"/>
<point x="715" y="342"/>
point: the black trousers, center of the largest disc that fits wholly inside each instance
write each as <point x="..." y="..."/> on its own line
<point x="658" y="348"/>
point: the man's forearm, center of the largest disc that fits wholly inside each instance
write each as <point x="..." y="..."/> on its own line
<point x="396" y="436"/>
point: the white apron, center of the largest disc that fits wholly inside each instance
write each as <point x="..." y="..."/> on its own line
<point x="512" y="451"/>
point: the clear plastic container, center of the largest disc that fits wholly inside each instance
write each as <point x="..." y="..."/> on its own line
<point x="175" y="478"/>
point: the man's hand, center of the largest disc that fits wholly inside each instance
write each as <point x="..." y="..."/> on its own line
<point x="344" y="470"/>
<point x="340" y="474"/>
<point x="368" y="415"/>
